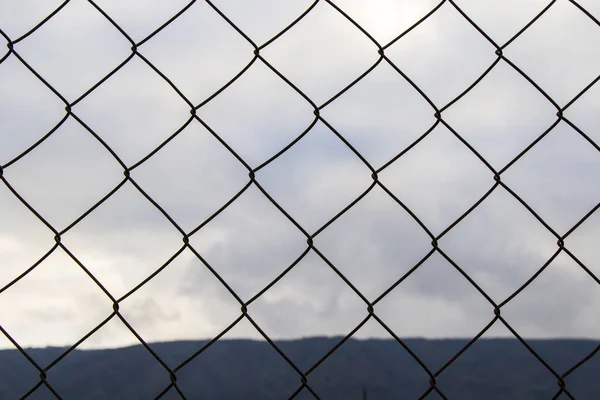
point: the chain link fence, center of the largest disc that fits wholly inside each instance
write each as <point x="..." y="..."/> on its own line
<point x="304" y="381"/>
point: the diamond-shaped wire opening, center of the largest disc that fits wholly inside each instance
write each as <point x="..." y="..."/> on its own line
<point x="562" y="37"/>
<point x="212" y="54"/>
<point x="249" y="243"/>
<point x="380" y="366"/>
<point x="257" y="127"/>
<point x="192" y="176"/>
<point x="501" y="115"/>
<point x="65" y="175"/>
<point x="374" y="243"/>
<point x="557" y="177"/>
<point x="184" y="301"/>
<point x="29" y="112"/>
<point x="322" y="54"/>
<point x="436" y="301"/>
<point x="72" y="63"/>
<point x="439" y="179"/>
<point x="310" y="294"/>
<point x="305" y="180"/>
<point x="134" y="111"/>
<point x="381" y="115"/>
<point x="442" y="71"/>
<point x="489" y="359"/>
<point x="500" y="244"/>
<point x="254" y="366"/>
<point x="124" y="240"/>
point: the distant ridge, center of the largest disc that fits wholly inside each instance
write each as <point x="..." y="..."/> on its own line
<point x="247" y="369"/>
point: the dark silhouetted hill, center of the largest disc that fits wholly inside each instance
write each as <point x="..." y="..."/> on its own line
<point x="244" y="369"/>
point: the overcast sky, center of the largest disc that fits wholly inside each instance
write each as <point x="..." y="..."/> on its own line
<point x="500" y="244"/>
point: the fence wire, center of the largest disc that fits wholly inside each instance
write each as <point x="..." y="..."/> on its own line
<point x="370" y="305"/>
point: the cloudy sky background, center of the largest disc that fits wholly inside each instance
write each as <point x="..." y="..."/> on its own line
<point x="500" y="245"/>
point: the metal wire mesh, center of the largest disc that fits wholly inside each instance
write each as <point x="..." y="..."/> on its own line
<point x="137" y="50"/>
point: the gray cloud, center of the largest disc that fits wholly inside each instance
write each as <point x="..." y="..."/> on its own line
<point x="500" y="245"/>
